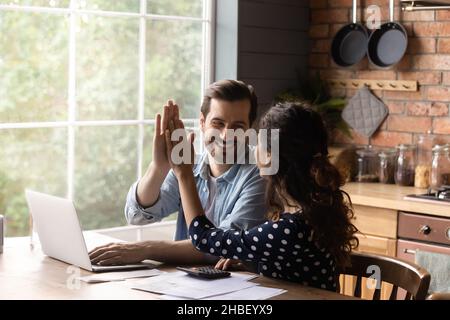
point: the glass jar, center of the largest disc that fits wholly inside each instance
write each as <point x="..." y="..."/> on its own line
<point x="405" y="165"/>
<point x="425" y="145"/>
<point x="367" y="160"/>
<point x="440" y="166"/>
<point x="386" y="167"/>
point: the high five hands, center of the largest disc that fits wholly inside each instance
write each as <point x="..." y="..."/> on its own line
<point x="170" y="135"/>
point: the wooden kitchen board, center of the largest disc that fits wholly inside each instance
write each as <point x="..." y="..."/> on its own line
<point x="388" y="85"/>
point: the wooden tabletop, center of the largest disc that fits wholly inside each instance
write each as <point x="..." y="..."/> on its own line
<point x="26" y="273"/>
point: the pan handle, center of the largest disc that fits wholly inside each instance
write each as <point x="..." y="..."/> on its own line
<point x="354" y="10"/>
<point x="391" y="10"/>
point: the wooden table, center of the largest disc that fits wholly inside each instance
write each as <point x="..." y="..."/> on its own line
<point x="26" y="273"/>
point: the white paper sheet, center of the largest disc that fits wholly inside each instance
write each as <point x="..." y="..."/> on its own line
<point x="179" y="284"/>
<point x="119" y="276"/>
<point x="253" y="293"/>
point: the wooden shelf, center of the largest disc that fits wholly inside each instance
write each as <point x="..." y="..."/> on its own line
<point x="388" y="85"/>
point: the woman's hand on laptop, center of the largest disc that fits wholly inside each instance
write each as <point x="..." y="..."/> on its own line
<point x="118" y="254"/>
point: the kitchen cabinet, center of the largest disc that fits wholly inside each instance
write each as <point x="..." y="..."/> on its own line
<point x="375" y="221"/>
<point x="380" y="214"/>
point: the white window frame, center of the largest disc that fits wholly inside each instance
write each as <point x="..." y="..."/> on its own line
<point x="208" y="22"/>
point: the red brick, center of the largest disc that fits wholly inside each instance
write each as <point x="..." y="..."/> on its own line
<point x="391" y="139"/>
<point x="418" y="16"/>
<point x="409" y="124"/>
<point x="409" y="26"/>
<point x="336" y="74"/>
<point x="443" y="15"/>
<point x="424" y="77"/>
<point x="438" y="94"/>
<point x="418" y="108"/>
<point x="404" y="95"/>
<point x="404" y="64"/>
<point x="335" y="28"/>
<point x="432" y="62"/>
<point x="443" y="45"/>
<point x="319" y="31"/>
<point x="427" y="109"/>
<point x="446" y="78"/>
<point x="318" y="60"/>
<point x="441" y="125"/>
<point x="395" y="107"/>
<point x="422" y="45"/>
<point x="376" y="75"/>
<point x="439" y="109"/>
<point x="330" y="16"/>
<point x="432" y="29"/>
<point x="321" y="46"/>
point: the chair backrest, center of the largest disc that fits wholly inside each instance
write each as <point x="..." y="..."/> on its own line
<point x="401" y="274"/>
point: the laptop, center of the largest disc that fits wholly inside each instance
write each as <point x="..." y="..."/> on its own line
<point x="61" y="237"/>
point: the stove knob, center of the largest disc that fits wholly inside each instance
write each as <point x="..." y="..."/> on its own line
<point x="426" y="230"/>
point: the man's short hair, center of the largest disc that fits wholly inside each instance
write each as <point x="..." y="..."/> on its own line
<point x="230" y="90"/>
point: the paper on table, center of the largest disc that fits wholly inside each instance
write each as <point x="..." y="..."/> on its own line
<point x="181" y="285"/>
<point x="118" y="276"/>
<point x="253" y="293"/>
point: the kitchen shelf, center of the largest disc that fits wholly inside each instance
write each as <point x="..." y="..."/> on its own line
<point x="409" y="5"/>
<point x="388" y="85"/>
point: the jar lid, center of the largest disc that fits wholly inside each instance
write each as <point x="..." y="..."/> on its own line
<point x="441" y="148"/>
<point x="406" y="147"/>
<point x="387" y="153"/>
<point x="367" y="151"/>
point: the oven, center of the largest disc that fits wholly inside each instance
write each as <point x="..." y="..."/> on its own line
<point x="421" y="232"/>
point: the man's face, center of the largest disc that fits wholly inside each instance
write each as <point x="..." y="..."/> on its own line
<point x="223" y="116"/>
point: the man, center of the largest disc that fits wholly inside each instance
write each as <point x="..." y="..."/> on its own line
<point x="233" y="195"/>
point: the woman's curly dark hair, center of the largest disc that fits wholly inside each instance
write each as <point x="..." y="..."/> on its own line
<point x="309" y="179"/>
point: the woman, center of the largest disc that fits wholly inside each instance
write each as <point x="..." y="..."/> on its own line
<point x="308" y="233"/>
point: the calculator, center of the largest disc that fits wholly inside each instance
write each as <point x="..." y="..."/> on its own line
<point x="205" y="272"/>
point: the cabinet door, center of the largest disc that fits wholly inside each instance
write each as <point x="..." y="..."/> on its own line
<point x="378" y="222"/>
<point x="375" y="245"/>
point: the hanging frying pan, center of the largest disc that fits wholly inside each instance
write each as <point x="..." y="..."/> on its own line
<point x="349" y="45"/>
<point x="387" y="45"/>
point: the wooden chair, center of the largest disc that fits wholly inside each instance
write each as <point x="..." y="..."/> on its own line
<point x="401" y="274"/>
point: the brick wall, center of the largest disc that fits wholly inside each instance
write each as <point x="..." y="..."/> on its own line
<point x="427" y="60"/>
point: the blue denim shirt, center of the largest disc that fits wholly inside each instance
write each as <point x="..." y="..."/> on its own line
<point x="240" y="199"/>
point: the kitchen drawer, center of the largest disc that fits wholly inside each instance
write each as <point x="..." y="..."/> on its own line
<point x="376" y="221"/>
<point x="406" y="249"/>
<point x="424" y="228"/>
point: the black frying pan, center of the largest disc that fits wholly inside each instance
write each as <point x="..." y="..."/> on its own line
<point x="349" y="45"/>
<point x="387" y="45"/>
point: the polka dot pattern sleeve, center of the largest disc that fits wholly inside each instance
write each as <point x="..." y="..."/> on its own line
<point x="272" y="240"/>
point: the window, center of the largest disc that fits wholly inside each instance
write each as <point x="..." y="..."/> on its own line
<point x="80" y="83"/>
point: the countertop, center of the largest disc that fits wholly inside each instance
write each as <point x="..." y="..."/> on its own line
<point x="392" y="197"/>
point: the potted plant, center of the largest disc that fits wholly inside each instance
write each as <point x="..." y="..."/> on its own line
<point x="315" y="92"/>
